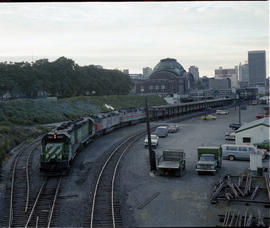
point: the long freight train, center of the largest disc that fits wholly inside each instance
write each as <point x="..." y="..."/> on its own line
<point x="60" y="146"/>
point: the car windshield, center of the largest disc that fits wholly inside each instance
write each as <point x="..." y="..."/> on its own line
<point x="207" y="158"/>
<point x="160" y="130"/>
<point x="152" y="137"/>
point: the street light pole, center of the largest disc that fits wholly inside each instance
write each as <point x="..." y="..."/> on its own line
<point x="152" y="155"/>
<point x="239" y="113"/>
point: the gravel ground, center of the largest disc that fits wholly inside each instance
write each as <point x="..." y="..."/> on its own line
<point x="180" y="201"/>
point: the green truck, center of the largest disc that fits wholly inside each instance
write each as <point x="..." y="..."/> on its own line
<point x="209" y="159"/>
<point x="172" y="162"/>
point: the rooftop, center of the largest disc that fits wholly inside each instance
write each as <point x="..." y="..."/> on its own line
<point x="263" y="121"/>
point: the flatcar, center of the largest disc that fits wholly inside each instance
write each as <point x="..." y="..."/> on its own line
<point x="60" y="146"/>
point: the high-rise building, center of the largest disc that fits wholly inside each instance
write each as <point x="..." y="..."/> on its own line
<point x="257" y="68"/>
<point x="243" y="72"/>
<point x="147" y="71"/>
<point x="228" y="73"/>
<point x="126" y="71"/>
<point x="195" y="71"/>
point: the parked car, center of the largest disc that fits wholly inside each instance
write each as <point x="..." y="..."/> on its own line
<point x="238" y="151"/>
<point x="162" y="131"/>
<point x="208" y="117"/>
<point x="222" y="112"/>
<point x="254" y="102"/>
<point x="154" y="141"/>
<point x="235" y="126"/>
<point x="230" y="135"/>
<point x="260" y="116"/>
<point x="173" y="129"/>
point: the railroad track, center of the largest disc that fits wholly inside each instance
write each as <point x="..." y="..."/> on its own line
<point x="43" y="207"/>
<point x="105" y="208"/>
<point x="20" y="186"/>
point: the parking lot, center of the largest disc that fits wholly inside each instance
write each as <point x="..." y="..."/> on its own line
<point x="150" y="200"/>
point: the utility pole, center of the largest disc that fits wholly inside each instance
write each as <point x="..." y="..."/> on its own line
<point x="152" y="155"/>
<point x="239" y="113"/>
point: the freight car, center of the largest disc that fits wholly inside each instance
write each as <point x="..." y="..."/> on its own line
<point x="60" y="146"/>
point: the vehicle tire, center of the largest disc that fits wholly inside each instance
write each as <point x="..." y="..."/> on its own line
<point x="231" y="157"/>
<point x="198" y="172"/>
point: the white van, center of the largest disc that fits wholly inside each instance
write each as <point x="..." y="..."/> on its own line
<point x="237" y="151"/>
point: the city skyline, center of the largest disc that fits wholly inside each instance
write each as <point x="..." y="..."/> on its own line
<point x="138" y="35"/>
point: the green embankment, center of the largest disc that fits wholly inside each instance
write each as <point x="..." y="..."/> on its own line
<point x="16" y="114"/>
<point x="41" y="111"/>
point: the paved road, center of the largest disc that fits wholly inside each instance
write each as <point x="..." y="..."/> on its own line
<point x="181" y="201"/>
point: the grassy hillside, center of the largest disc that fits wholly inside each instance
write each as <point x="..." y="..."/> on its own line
<point x="41" y="111"/>
<point x="16" y="113"/>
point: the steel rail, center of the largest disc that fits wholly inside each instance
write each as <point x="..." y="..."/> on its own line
<point x="27" y="178"/>
<point x="33" y="208"/>
<point x="54" y="201"/>
<point x="12" y="186"/>
<point x="114" y="175"/>
<point x="99" y="177"/>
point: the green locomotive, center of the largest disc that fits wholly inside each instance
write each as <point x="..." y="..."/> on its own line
<point x="60" y="146"/>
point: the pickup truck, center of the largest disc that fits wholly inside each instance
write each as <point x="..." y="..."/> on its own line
<point x="172" y="162"/>
<point x="209" y="159"/>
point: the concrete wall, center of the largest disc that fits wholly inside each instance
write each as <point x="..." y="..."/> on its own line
<point x="257" y="134"/>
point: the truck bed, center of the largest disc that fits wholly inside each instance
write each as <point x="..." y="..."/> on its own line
<point x="169" y="165"/>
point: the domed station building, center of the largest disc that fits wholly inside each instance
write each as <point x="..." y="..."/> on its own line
<point x="168" y="77"/>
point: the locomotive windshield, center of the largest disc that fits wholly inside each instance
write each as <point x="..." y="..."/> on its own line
<point x="54" y="138"/>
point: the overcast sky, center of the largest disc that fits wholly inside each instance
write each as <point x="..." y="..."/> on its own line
<point x="133" y="35"/>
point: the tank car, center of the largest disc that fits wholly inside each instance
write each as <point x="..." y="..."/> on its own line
<point x="60" y="146"/>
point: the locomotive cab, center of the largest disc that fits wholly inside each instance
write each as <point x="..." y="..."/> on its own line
<point x="55" y="152"/>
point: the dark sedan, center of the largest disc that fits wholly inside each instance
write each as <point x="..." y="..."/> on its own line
<point x="173" y="129"/>
<point x="235" y="126"/>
